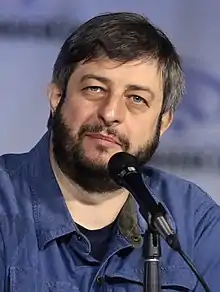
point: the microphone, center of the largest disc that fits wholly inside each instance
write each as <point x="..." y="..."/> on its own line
<point x="123" y="169"/>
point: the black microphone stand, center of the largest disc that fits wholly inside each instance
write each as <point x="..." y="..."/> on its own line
<point x="152" y="254"/>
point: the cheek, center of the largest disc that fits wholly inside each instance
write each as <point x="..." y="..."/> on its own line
<point x="142" y="131"/>
<point x="76" y="114"/>
<point x="71" y="116"/>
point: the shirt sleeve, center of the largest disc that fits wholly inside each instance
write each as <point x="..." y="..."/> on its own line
<point x="2" y="263"/>
<point x="207" y="242"/>
<point x="3" y="224"/>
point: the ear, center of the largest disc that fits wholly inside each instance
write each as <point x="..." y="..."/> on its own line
<point x="54" y="95"/>
<point x="166" y="121"/>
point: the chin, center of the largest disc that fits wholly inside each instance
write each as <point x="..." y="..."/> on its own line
<point x="101" y="154"/>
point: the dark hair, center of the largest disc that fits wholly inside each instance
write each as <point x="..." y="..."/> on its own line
<point x="122" y="37"/>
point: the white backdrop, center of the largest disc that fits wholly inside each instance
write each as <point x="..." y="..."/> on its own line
<point x="26" y="64"/>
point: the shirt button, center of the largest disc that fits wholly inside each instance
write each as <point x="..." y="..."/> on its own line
<point x="136" y="238"/>
<point x="100" y="281"/>
<point x="79" y="237"/>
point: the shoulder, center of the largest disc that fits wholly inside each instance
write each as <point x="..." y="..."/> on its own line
<point x="11" y="163"/>
<point x="17" y="173"/>
<point x="188" y="205"/>
<point x="12" y="176"/>
<point x="174" y="191"/>
<point x="11" y="167"/>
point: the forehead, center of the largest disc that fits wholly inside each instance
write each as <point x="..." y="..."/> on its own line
<point x="137" y="72"/>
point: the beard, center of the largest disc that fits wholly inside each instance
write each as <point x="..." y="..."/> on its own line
<point x="92" y="175"/>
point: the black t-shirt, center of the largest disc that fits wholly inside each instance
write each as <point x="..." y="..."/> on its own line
<point x="99" y="239"/>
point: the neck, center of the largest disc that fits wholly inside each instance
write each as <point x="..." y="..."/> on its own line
<point x="92" y="211"/>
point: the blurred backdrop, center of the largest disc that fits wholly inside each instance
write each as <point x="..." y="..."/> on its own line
<point x="31" y="33"/>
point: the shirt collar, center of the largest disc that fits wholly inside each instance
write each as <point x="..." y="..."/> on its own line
<point x="51" y="215"/>
<point x="133" y="225"/>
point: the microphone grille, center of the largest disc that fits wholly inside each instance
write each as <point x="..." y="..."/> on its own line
<point x="120" y="161"/>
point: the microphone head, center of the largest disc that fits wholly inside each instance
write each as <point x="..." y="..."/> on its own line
<point x="119" y="162"/>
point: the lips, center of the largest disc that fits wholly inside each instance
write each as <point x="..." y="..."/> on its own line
<point x="104" y="137"/>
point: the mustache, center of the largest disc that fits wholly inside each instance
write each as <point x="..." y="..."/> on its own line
<point x="98" y="128"/>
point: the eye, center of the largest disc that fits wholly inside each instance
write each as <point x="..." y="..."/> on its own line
<point x="94" y="89"/>
<point x="138" y="99"/>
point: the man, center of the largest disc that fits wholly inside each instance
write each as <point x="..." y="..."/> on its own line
<point x="65" y="225"/>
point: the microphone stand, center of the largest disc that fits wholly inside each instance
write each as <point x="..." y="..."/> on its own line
<point x="152" y="254"/>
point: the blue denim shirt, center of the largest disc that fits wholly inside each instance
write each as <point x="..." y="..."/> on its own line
<point x="41" y="248"/>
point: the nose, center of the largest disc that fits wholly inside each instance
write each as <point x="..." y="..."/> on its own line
<point x="112" y="111"/>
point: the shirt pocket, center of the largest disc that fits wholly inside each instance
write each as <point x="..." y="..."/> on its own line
<point x="28" y="280"/>
<point x="59" y="286"/>
<point x="176" y="278"/>
<point x="172" y="279"/>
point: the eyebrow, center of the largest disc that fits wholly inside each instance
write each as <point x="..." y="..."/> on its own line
<point x="96" y="77"/>
<point x="140" y="88"/>
<point x="105" y="80"/>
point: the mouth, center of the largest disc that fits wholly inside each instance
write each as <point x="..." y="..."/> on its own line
<point x="107" y="138"/>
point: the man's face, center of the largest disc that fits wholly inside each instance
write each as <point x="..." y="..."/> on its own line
<point x="109" y="107"/>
